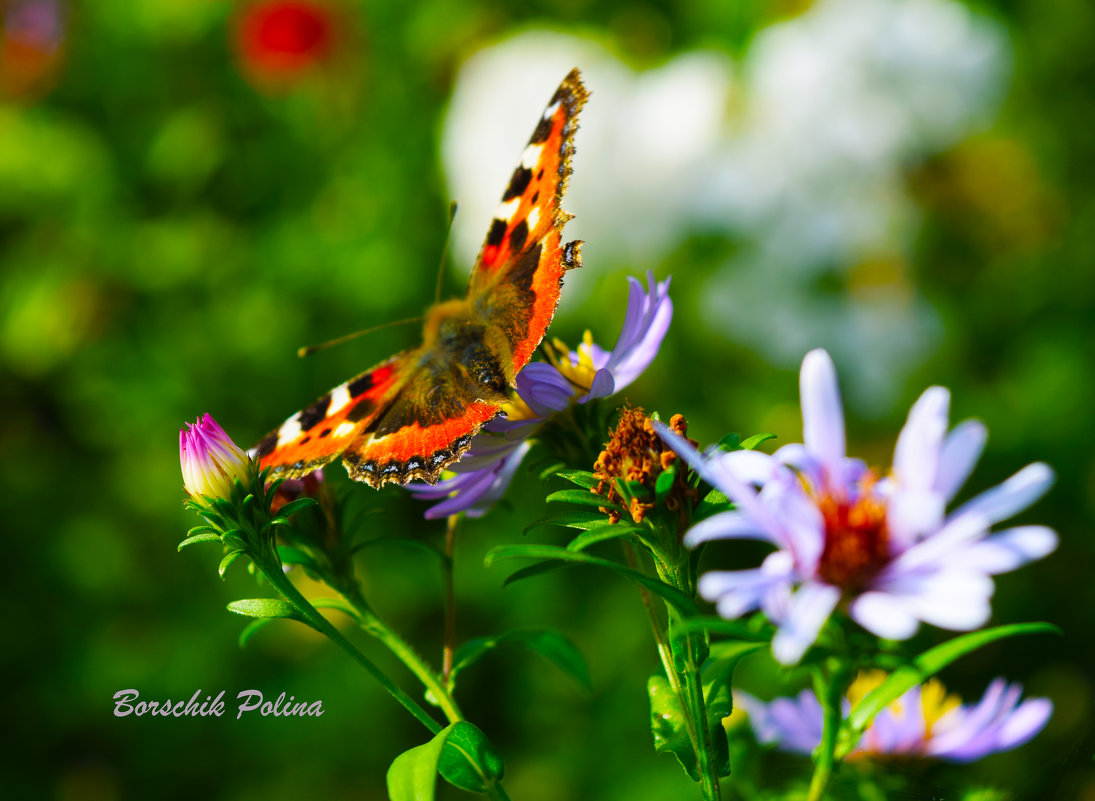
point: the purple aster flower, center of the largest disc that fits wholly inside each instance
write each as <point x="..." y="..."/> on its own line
<point x="545" y="389"/>
<point x="887" y="548"/>
<point x="210" y="460"/>
<point x="924" y="722"/>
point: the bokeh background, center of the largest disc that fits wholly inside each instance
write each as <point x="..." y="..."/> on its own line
<point x="191" y="190"/>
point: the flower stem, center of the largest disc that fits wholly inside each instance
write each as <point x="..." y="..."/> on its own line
<point x="830" y="693"/>
<point x="273" y="572"/>
<point x="450" y="599"/>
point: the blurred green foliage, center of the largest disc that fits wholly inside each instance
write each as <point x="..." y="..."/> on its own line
<point x="172" y="228"/>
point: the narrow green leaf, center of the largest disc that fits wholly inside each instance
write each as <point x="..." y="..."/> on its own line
<point x="206" y="537"/>
<point x="669" y="727"/>
<point x="678" y="599"/>
<point x="401" y="542"/>
<point x="593" y="536"/>
<point x="551" y="470"/>
<point x="335" y="603"/>
<point x="574" y="519"/>
<point x="265" y="607"/>
<point x="469" y="760"/>
<point x="548" y="643"/>
<point x="291" y="508"/>
<point x="580" y="498"/>
<point x="752" y="442"/>
<point x="712" y="503"/>
<point x="227" y="561"/>
<point x="921" y="669"/>
<point x="202" y="530"/>
<point x="252" y="627"/>
<point x="294" y="556"/>
<point x="738" y="629"/>
<point x="663" y="485"/>
<point x="731" y="442"/>
<point x="583" y="478"/>
<point x="532" y="570"/>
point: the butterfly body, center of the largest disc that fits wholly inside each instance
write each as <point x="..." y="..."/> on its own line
<point x="415" y="413"/>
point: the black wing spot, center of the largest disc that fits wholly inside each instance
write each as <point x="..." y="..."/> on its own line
<point x="360" y="409"/>
<point x="363" y="383"/>
<point x="540" y="174"/>
<point x="269" y="442"/>
<point x="314" y="413"/>
<point x="325" y="432"/>
<point x="542" y="132"/>
<point x="497" y="232"/>
<point x="536" y="197"/>
<point x="519" y="236"/>
<point x="517" y="184"/>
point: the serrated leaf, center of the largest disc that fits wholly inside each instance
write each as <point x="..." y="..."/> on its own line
<point x="669" y="727"/>
<point x="548" y="643"/>
<point x="678" y="599"/>
<point x="922" y="668"/>
<point x="593" y="536"/>
<point x="583" y="478"/>
<point x="752" y="442"/>
<point x="469" y="760"/>
<point x="265" y="607"/>
<point x="205" y="537"/>
<point x="717" y="673"/>
<point x="227" y="561"/>
<point x="581" y="498"/>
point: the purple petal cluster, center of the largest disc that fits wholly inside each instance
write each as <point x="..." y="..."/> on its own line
<point x="912" y="726"/>
<point x="887" y="547"/>
<point x="545" y="389"/>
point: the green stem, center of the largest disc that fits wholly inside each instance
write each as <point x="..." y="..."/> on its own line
<point x="830" y="693"/>
<point x="403" y="651"/>
<point x="449" y="643"/>
<point x="273" y="572"/>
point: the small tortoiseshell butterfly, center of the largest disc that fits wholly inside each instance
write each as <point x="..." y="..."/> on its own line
<point x="416" y="413"/>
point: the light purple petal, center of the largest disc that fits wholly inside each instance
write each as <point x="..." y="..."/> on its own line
<point x="810" y="607"/>
<point x="822" y="414"/>
<point x="1006" y="550"/>
<point x="884" y="615"/>
<point x="603" y="385"/>
<point x="951" y="599"/>
<point x="916" y="457"/>
<point x="1013" y="496"/>
<point x="961" y="450"/>
<point x="725" y="526"/>
<point x="645" y="325"/>
<point x="910" y="515"/>
<point x="1025" y="722"/>
<point x="544" y="388"/>
<point x="939" y="547"/>
<point x="751" y="467"/>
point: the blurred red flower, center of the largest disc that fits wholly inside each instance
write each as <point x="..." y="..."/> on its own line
<point x="32" y="37"/>
<point x="280" y="41"/>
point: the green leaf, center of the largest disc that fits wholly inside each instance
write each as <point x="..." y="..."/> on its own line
<point x="532" y="570"/>
<point x="593" y="536"/>
<point x="731" y="442"/>
<point x="550" y="644"/>
<point x="582" y="478"/>
<point x="252" y="627"/>
<point x="717" y="673"/>
<point x="294" y="556"/>
<point x="291" y="508"/>
<point x="575" y="519"/>
<point x="755" y="440"/>
<point x="669" y="727"/>
<point x="265" y="607"/>
<point x="737" y="629"/>
<point x="203" y="530"/>
<point x="227" y="561"/>
<point x="402" y="542"/>
<point x="663" y="485"/>
<point x="921" y="669"/>
<point x="712" y="503"/>
<point x="581" y="498"/>
<point x="469" y="760"/>
<point x="551" y="470"/>
<point x="678" y="599"/>
<point x="194" y="540"/>
<point x="413" y="774"/>
<point x="335" y="603"/>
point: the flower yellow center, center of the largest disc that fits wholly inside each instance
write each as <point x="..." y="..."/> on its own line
<point x="580" y="375"/>
<point x="856" y="540"/>
<point x="934" y="700"/>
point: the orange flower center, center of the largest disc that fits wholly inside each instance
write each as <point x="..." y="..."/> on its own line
<point x="856" y="541"/>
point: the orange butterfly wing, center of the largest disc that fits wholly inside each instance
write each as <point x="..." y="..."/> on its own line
<point x="413" y="415"/>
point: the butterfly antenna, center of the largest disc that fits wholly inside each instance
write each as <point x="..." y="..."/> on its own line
<point x="310" y="349"/>
<point x="444" y="253"/>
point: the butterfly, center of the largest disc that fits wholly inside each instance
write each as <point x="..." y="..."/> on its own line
<point x="413" y="415"/>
